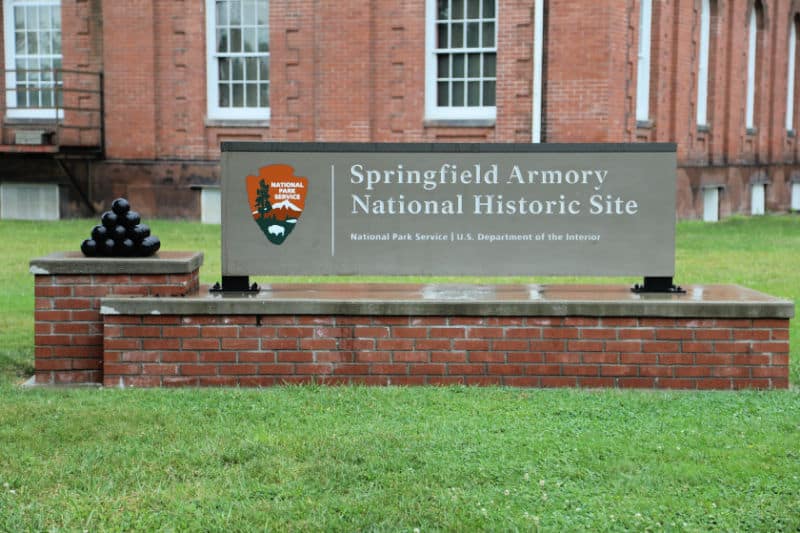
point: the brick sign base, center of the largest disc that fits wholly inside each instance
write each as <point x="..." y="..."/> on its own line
<point x="159" y="329"/>
<point x="152" y="351"/>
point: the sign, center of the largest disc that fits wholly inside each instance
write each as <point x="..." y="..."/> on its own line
<point x="448" y="209"/>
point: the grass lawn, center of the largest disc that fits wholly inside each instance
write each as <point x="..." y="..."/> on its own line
<point x="308" y="458"/>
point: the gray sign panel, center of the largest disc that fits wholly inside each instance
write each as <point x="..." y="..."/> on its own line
<point x="448" y="209"/>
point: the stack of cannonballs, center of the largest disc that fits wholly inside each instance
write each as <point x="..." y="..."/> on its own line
<point x="121" y="234"/>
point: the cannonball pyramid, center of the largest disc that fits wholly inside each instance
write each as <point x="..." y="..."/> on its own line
<point x="120" y="234"/>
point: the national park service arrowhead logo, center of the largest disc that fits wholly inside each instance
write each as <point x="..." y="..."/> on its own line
<point x="277" y="198"/>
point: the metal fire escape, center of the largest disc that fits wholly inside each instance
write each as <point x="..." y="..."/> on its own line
<point x="58" y="117"/>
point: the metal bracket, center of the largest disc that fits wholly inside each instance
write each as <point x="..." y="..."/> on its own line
<point x="657" y="284"/>
<point x="235" y="284"/>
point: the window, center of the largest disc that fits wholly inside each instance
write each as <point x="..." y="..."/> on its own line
<point x="237" y="37"/>
<point x="210" y="206"/>
<point x="643" y="62"/>
<point x="752" y="61"/>
<point x="711" y="204"/>
<point x="27" y="201"/>
<point x="461" y="66"/>
<point x="32" y="30"/>
<point x="758" y="194"/>
<point x="790" y="75"/>
<point x="702" y="63"/>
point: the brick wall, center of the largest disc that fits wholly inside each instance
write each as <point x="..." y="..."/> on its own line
<point x="68" y="334"/>
<point x="354" y="71"/>
<point x="683" y="353"/>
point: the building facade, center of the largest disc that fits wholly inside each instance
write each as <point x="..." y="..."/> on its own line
<point x="102" y="98"/>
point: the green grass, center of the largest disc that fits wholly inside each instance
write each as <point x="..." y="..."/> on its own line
<point x="309" y="458"/>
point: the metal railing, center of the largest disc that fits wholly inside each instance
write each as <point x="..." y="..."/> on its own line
<point x="66" y="104"/>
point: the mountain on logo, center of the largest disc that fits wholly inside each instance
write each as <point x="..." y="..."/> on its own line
<point x="286" y="204"/>
<point x="279" y="219"/>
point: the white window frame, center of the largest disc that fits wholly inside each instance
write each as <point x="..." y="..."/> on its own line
<point x="434" y="111"/>
<point x="214" y="110"/>
<point x="643" y="61"/>
<point x="752" y="49"/>
<point x="10" y="48"/>
<point x="790" y="74"/>
<point x="702" y="63"/>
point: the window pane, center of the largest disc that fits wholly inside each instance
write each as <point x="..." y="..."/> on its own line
<point x="224" y="69"/>
<point x="473" y="8"/>
<point x="250" y="15"/>
<point x="489" y="93"/>
<point x="458" y="93"/>
<point x="474" y="66"/>
<point x="251" y="68"/>
<point x="236" y="13"/>
<point x="47" y="98"/>
<point x="250" y="44"/>
<point x="222" y="41"/>
<point x="263" y="13"/>
<point x="236" y="40"/>
<point x="488" y="34"/>
<point x="263" y="63"/>
<point x="458" y="9"/>
<point x="31" y="18"/>
<point x="264" y="94"/>
<point x="441" y="94"/>
<point x="45" y="43"/>
<point x="474" y="93"/>
<point x="238" y="69"/>
<point x="443" y="66"/>
<point x="20" y="42"/>
<point x="442" y="13"/>
<point x="55" y="18"/>
<point x="489" y="65"/>
<point x="442" y="35"/>
<point x="473" y="35"/>
<point x="488" y="9"/>
<point x="224" y="95"/>
<point x="252" y="95"/>
<point x="19" y="18"/>
<point x="458" y="36"/>
<point x="238" y="95"/>
<point x="32" y="43"/>
<point x="57" y="43"/>
<point x="44" y="17"/>
<point x="222" y="14"/>
<point x="458" y="65"/>
<point x="263" y="40"/>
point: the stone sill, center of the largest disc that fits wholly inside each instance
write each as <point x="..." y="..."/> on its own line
<point x="708" y="301"/>
<point x="75" y="263"/>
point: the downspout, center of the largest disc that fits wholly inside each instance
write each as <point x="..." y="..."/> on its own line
<point x="538" y="38"/>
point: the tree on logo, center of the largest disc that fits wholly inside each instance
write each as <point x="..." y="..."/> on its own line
<point x="263" y="204"/>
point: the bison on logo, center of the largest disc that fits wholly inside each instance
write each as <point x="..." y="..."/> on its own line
<point x="277" y="198"/>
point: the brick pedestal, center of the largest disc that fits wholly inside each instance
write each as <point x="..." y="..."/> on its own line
<point x="713" y="337"/>
<point x="68" y="292"/>
<point x="663" y="353"/>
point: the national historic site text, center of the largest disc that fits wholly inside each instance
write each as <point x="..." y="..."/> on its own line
<point x="371" y="202"/>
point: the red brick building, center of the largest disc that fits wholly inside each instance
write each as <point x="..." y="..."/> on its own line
<point x="104" y="98"/>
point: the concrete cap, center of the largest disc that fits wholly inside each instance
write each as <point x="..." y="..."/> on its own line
<point x="700" y="301"/>
<point x="75" y="263"/>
